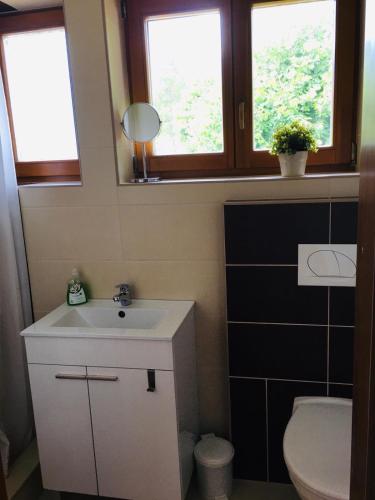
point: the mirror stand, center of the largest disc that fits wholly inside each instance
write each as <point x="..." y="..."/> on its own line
<point x="145" y="177"/>
<point x="141" y="124"/>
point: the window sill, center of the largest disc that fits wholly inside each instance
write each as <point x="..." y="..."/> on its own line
<point x="206" y="180"/>
<point x="255" y="178"/>
<point x="51" y="184"/>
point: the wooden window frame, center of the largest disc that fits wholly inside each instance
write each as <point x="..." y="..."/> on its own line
<point x="240" y="160"/>
<point x="137" y="13"/>
<point x="31" y="172"/>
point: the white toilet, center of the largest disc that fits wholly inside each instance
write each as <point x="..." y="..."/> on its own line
<point x="317" y="447"/>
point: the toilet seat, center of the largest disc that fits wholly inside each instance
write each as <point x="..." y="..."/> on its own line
<point x="317" y="447"/>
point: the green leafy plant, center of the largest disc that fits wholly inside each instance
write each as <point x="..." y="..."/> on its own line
<point x="292" y="138"/>
<point x="293" y="81"/>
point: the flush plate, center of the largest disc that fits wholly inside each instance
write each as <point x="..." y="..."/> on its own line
<point x="327" y="265"/>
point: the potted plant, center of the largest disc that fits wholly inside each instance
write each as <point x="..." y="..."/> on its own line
<point x="292" y="144"/>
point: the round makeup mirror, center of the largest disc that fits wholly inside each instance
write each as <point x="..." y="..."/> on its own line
<point x="141" y="122"/>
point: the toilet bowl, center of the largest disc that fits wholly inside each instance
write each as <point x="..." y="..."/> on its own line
<point x="317" y="447"/>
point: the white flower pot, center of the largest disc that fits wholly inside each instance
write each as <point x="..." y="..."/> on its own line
<point x="293" y="165"/>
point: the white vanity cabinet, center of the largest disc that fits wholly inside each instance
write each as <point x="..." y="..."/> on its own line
<point x="62" y="418"/>
<point x="138" y="431"/>
<point x="111" y="420"/>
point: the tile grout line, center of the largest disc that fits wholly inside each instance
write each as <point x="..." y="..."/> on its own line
<point x="261" y="265"/>
<point x="243" y="377"/>
<point x="328" y="339"/>
<point x="330" y="223"/>
<point x="120" y="261"/>
<point x="329" y="302"/>
<point x="231" y="322"/>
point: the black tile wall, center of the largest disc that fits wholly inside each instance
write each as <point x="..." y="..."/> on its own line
<point x="344" y="223"/>
<point x="341" y="354"/>
<point x="249" y="432"/>
<point x="342" y="306"/>
<point x="340" y="391"/>
<point x="280" y="336"/>
<point x="281" y="397"/>
<point x="271" y="294"/>
<point x="278" y="351"/>
<point x="290" y="223"/>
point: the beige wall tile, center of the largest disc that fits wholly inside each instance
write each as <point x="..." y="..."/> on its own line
<point x="342" y="188"/>
<point x="51" y="196"/>
<point x="48" y="283"/>
<point x="172" y="232"/>
<point x="40" y="314"/>
<point x="88" y="62"/>
<point x="212" y="365"/>
<point x="49" y="280"/>
<point x="116" y="56"/>
<point x="69" y="233"/>
<point x="98" y="172"/>
<point x="201" y="281"/>
<point x="124" y="159"/>
<point x="213" y="400"/>
<point x="99" y="175"/>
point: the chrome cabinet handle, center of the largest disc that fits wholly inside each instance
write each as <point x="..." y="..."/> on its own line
<point x="73" y="376"/>
<point x="104" y="378"/>
<point x="241" y="115"/>
<point x="70" y="376"/>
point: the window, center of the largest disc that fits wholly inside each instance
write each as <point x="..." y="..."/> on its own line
<point x="225" y="74"/>
<point x="36" y="76"/>
<point x="293" y="58"/>
<point x="185" y="82"/>
<point x="181" y="61"/>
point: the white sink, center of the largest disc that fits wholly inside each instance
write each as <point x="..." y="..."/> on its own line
<point x="158" y="319"/>
<point x="101" y="317"/>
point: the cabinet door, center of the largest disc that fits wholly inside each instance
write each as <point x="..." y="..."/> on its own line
<point x="63" y="426"/>
<point x="135" y="435"/>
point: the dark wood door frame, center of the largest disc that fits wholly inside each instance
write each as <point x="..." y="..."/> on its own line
<point x="363" y="444"/>
<point x="3" y="491"/>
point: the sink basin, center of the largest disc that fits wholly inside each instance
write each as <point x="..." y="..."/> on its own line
<point x="100" y="317"/>
<point x="148" y="319"/>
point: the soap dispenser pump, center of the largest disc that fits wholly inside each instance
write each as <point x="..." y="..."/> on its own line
<point x="76" y="293"/>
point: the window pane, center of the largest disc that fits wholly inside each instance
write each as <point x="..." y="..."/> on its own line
<point x="293" y="48"/>
<point x="186" y="82"/>
<point x="40" y="95"/>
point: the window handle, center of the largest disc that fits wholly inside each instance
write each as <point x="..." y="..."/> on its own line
<point x="241" y="115"/>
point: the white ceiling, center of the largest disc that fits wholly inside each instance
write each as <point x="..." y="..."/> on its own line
<point x="33" y="4"/>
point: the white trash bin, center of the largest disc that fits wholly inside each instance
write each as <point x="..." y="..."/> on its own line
<point x="214" y="457"/>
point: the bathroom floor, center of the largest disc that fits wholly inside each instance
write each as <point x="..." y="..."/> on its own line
<point x="242" y="490"/>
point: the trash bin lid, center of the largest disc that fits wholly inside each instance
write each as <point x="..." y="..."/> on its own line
<point x="213" y="451"/>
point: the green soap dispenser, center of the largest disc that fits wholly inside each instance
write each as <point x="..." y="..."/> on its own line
<point x="76" y="293"/>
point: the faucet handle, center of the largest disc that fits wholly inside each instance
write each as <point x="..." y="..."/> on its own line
<point x="124" y="288"/>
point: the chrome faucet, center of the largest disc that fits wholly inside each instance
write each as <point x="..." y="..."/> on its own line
<point x="124" y="296"/>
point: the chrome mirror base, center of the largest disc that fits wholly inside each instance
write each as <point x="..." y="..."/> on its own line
<point x="144" y="180"/>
